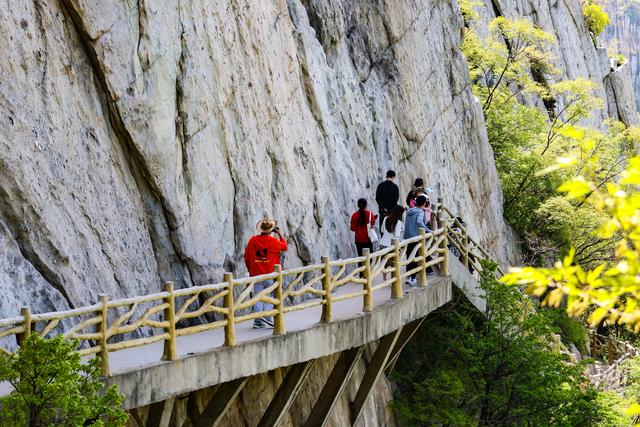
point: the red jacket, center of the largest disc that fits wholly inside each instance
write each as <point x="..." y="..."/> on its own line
<point x="262" y="253"/>
<point x="362" y="233"/>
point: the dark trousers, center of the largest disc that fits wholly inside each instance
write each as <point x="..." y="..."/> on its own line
<point x="412" y="265"/>
<point x="359" y="248"/>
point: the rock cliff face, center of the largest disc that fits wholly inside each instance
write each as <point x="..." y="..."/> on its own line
<point x="574" y="53"/>
<point x="623" y="36"/>
<point x="142" y="141"/>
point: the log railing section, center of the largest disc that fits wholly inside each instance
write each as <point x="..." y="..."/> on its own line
<point x="471" y="253"/>
<point x="112" y="325"/>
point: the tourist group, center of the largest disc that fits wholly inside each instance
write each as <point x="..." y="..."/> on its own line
<point x="396" y="222"/>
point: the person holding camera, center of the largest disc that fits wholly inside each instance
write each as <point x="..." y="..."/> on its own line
<point x="261" y="254"/>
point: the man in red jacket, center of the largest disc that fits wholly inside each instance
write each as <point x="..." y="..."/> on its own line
<point x="261" y="254"/>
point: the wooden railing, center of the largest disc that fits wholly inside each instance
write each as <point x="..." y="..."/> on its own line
<point x="609" y="349"/>
<point x="112" y="325"/>
<point x="471" y="253"/>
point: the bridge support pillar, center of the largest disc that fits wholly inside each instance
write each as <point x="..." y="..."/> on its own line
<point x="334" y="386"/>
<point x="375" y="369"/>
<point x="407" y="333"/>
<point x="160" y="413"/>
<point x="287" y="392"/>
<point x="220" y="402"/>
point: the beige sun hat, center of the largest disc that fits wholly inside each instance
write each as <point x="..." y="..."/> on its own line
<point x="266" y="225"/>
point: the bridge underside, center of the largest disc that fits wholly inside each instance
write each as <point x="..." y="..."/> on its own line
<point x="333" y="390"/>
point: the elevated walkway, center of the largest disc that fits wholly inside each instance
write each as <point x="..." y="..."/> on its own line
<point x="199" y="337"/>
<point x="204" y="361"/>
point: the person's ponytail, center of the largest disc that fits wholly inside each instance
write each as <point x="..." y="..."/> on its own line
<point x="362" y="205"/>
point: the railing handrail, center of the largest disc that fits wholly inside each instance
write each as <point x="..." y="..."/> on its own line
<point x="178" y="305"/>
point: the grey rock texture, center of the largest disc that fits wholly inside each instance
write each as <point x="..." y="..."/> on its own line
<point x="623" y="36"/>
<point x="142" y="141"/>
<point x="256" y="395"/>
<point x="574" y="54"/>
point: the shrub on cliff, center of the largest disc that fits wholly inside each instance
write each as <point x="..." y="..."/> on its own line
<point x="53" y="387"/>
<point x="597" y="19"/>
<point x="509" y="68"/>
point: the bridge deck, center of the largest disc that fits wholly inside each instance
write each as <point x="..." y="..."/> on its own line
<point x="203" y="360"/>
<point x="138" y="357"/>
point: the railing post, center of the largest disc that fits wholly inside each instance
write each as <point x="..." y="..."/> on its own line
<point x="104" y="349"/>
<point x="611" y="356"/>
<point x="466" y="249"/>
<point x="25" y="312"/>
<point x="422" y="274"/>
<point x="229" y="328"/>
<point x="368" y="296"/>
<point x="170" y="351"/>
<point x="444" y="250"/>
<point x="326" y="287"/>
<point x="278" y="319"/>
<point x="396" y="287"/>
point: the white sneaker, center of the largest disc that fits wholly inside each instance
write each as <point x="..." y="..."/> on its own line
<point x="411" y="282"/>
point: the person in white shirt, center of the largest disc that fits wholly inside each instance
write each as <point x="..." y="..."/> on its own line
<point x="392" y="228"/>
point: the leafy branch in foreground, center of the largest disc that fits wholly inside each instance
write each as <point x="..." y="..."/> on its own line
<point x="52" y="386"/>
<point x="609" y="291"/>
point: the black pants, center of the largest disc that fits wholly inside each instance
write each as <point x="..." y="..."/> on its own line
<point x="412" y="265"/>
<point x="360" y="247"/>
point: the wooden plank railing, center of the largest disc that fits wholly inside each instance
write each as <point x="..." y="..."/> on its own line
<point x="609" y="349"/>
<point x="166" y="315"/>
<point x="471" y="253"/>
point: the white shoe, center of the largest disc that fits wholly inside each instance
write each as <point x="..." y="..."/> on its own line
<point x="411" y="282"/>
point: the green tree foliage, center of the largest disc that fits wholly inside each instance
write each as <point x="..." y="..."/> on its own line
<point x="631" y="393"/>
<point x="468" y="8"/>
<point x="595" y="16"/>
<point x="463" y="369"/>
<point x="510" y="68"/>
<point x="53" y="387"/>
<point x="609" y="290"/>
<point x="494" y="64"/>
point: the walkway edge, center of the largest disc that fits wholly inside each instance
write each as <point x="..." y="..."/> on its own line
<point x="165" y="379"/>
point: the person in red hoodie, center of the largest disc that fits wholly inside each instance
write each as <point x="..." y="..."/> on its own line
<point x="360" y="222"/>
<point x="261" y="254"/>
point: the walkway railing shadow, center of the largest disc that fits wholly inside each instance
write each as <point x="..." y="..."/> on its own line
<point x="169" y="314"/>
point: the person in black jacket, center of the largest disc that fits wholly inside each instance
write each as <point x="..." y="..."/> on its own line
<point x="387" y="195"/>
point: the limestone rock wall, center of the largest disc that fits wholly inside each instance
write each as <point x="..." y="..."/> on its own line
<point x="574" y="53"/>
<point x="141" y="141"/>
<point x="623" y="36"/>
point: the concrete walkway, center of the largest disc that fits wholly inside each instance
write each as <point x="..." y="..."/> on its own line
<point x="203" y="360"/>
<point x="139" y="357"/>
